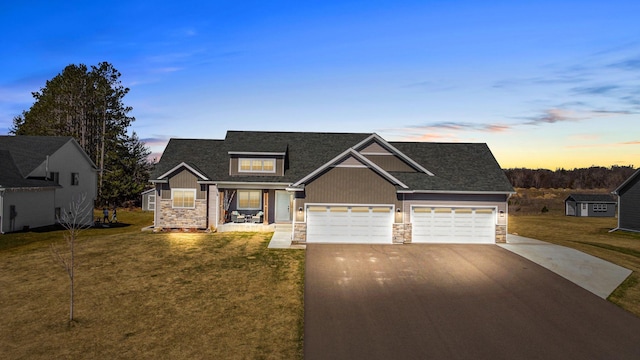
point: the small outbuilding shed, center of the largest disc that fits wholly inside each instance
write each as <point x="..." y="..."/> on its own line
<point x="149" y="200"/>
<point x="592" y="205"/>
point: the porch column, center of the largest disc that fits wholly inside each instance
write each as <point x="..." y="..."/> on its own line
<point x="265" y="206"/>
<point x="221" y="212"/>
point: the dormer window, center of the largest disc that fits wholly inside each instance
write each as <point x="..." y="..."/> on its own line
<point x="257" y="165"/>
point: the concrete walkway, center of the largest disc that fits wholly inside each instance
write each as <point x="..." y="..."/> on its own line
<point x="282" y="238"/>
<point x="589" y="272"/>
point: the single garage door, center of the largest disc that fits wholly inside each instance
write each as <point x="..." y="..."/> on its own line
<point x="350" y="224"/>
<point x="453" y="225"/>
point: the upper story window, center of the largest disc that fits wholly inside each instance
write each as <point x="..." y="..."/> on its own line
<point x="75" y="179"/>
<point x="55" y="177"/>
<point x="257" y="165"/>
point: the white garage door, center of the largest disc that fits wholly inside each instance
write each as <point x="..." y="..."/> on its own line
<point x="453" y="225"/>
<point x="350" y="224"/>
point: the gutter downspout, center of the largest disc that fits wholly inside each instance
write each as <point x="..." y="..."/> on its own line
<point x="618" y="211"/>
<point x="506" y="220"/>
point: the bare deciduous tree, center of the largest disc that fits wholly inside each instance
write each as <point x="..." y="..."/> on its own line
<point x="75" y="219"/>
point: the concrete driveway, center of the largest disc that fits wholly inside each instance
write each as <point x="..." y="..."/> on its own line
<point x="453" y="302"/>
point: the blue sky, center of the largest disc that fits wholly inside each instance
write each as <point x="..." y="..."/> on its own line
<point x="545" y="84"/>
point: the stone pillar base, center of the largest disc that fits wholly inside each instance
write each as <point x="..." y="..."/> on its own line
<point x="299" y="233"/>
<point x="501" y="234"/>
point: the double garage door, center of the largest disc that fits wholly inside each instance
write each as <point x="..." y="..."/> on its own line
<point x="374" y="224"/>
<point x="453" y="225"/>
<point x="350" y="224"/>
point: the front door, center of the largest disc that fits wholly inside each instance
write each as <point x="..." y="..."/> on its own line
<point x="283" y="206"/>
<point x="585" y="210"/>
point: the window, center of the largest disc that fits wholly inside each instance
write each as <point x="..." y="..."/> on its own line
<point x="55" y="177"/>
<point x="75" y="179"/>
<point x="257" y="165"/>
<point x="183" y="198"/>
<point x="249" y="199"/>
<point x="151" y="201"/>
<point x="600" y="207"/>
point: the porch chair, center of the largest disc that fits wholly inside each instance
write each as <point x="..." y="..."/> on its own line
<point x="257" y="218"/>
<point x="236" y="217"/>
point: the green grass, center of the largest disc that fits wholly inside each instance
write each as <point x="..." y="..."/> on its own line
<point x="592" y="236"/>
<point x="145" y="295"/>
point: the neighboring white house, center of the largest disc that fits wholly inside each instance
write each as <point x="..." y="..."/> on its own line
<point x="39" y="177"/>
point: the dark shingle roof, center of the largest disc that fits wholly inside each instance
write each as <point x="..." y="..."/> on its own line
<point x="10" y="176"/>
<point x="457" y="167"/>
<point x="29" y="152"/>
<point x="602" y="198"/>
<point x="305" y="153"/>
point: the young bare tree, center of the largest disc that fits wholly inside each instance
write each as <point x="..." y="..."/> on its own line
<point x="75" y="219"/>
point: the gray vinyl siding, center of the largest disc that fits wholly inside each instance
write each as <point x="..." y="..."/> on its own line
<point x="349" y="186"/>
<point x="183" y="179"/>
<point x="610" y="212"/>
<point x="630" y="206"/>
<point x="390" y="163"/>
<point x="374" y="147"/>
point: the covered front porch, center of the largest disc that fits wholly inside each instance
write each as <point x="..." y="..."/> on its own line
<point x="252" y="207"/>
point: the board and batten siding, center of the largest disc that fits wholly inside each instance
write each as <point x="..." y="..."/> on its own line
<point x="344" y="185"/>
<point x="630" y="206"/>
<point x="183" y="179"/>
<point x="390" y="163"/>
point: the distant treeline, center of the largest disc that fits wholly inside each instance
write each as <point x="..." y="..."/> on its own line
<point x="594" y="177"/>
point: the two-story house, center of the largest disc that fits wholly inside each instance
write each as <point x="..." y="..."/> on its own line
<point x="39" y="177"/>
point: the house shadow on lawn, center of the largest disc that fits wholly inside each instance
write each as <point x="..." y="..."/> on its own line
<point x="57" y="227"/>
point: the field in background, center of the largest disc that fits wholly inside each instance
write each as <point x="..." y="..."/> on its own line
<point x="533" y="201"/>
<point x="146" y="295"/>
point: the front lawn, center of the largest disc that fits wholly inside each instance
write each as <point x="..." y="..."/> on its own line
<point x="592" y="236"/>
<point x="145" y="295"/>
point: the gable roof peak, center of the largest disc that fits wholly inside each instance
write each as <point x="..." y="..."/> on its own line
<point x="385" y="144"/>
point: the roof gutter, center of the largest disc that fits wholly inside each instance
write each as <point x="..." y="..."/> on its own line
<point x="456" y="192"/>
<point x="247" y="185"/>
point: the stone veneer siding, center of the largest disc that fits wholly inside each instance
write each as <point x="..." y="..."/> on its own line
<point x="183" y="218"/>
<point x="299" y="233"/>
<point x="401" y="233"/>
<point x="501" y="234"/>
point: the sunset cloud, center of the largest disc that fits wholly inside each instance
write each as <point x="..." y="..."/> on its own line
<point x="551" y="116"/>
<point x="465" y="126"/>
